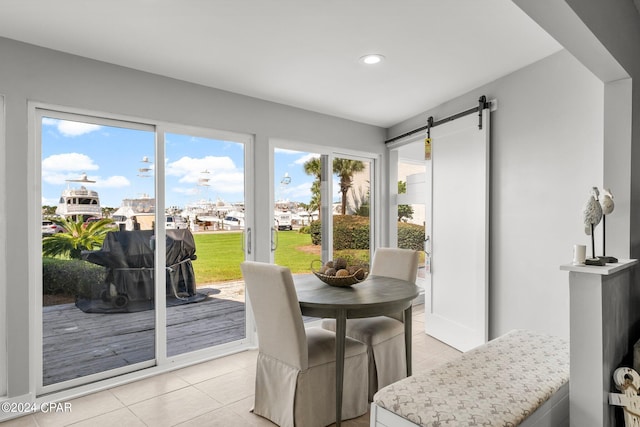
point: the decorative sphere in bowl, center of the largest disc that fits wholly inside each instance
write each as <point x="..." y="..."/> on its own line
<point x="346" y="275"/>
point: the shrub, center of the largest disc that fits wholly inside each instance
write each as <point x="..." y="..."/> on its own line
<point x="315" y="229"/>
<point x="410" y="236"/>
<point x="70" y="277"/>
<point x="354" y="257"/>
<point x="352" y="232"/>
<point x="349" y="232"/>
<point x="304" y="230"/>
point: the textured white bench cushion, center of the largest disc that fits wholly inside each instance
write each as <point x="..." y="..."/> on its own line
<point x="497" y="384"/>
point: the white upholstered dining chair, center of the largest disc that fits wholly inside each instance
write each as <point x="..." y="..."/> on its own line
<point x="295" y="375"/>
<point x="384" y="335"/>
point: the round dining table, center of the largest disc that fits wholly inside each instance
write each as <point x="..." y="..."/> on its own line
<point x="374" y="296"/>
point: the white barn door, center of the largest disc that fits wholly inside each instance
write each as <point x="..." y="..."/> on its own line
<point x="456" y="305"/>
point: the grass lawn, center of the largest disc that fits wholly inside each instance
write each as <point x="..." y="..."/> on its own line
<point x="220" y="255"/>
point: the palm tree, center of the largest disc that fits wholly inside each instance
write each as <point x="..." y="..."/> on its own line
<point x="314" y="167"/>
<point x="78" y="237"/>
<point x="345" y="169"/>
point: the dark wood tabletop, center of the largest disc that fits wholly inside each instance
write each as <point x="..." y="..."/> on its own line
<point x="372" y="297"/>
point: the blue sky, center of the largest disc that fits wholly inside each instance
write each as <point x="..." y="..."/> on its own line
<point x="114" y="158"/>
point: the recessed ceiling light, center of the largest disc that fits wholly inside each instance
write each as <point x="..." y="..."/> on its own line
<point x="372" y="59"/>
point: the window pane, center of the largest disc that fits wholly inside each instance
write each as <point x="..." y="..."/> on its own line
<point x="412" y="210"/>
<point x="97" y="281"/>
<point x="352" y="210"/>
<point x="205" y="196"/>
<point x="297" y="231"/>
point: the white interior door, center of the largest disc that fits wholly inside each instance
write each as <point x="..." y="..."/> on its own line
<point x="456" y="304"/>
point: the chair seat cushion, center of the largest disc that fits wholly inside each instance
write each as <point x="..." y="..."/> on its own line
<point x="371" y="331"/>
<point x="322" y="347"/>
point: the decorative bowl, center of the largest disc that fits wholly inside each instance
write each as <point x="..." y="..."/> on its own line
<point x="340" y="281"/>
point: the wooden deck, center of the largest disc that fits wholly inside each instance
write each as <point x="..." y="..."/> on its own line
<point x="77" y="344"/>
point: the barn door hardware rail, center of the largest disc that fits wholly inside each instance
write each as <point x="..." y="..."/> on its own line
<point x="482" y="104"/>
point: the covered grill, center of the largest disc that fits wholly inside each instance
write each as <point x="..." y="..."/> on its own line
<point x="129" y="283"/>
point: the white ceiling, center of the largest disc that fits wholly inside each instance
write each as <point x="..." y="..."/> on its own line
<point x="302" y="53"/>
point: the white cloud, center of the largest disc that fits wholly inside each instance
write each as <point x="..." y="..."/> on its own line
<point x="68" y="162"/>
<point x="302" y="160"/>
<point x="68" y="128"/>
<point x="192" y="169"/>
<point x="116" y="181"/>
<point x="57" y="169"/>
<point x="300" y="191"/>
<point x="224" y="176"/>
<point x="189" y="191"/>
<point x="49" y="202"/>
<point x="228" y="182"/>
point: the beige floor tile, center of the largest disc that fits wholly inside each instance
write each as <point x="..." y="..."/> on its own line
<point x="24" y="421"/>
<point x="231" y="387"/>
<point x="245" y="358"/>
<point x="82" y="409"/>
<point x="223" y="417"/>
<point x="243" y="409"/>
<point x="147" y="388"/>
<point x="361" y="421"/>
<point x="432" y="345"/>
<point x="120" y="417"/>
<point x="174" y="407"/>
<point x="214" y="368"/>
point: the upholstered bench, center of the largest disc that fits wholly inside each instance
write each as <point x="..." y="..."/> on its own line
<point x="521" y="378"/>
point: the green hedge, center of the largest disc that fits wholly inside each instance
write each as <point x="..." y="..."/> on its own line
<point x="349" y="232"/>
<point x="410" y="236"/>
<point x="70" y="277"/>
<point x="352" y="232"/>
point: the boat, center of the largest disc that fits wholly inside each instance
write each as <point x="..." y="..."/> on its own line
<point x="79" y="202"/>
<point x="142" y="208"/>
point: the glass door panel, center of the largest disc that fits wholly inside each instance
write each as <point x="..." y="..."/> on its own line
<point x="97" y="188"/>
<point x="352" y="225"/>
<point x="303" y="183"/>
<point x="412" y="205"/>
<point x="297" y="234"/>
<point x="205" y="222"/>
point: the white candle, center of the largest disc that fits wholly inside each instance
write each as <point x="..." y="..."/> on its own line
<point x="579" y="254"/>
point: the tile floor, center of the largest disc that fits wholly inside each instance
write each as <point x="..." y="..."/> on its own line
<point x="214" y="393"/>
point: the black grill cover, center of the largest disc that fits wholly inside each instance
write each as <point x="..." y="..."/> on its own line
<point x="128" y="257"/>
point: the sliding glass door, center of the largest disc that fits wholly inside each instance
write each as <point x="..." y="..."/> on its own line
<point x="206" y="205"/>
<point x="352" y="209"/>
<point x="97" y="287"/>
<point x="323" y="207"/>
<point x="144" y="228"/>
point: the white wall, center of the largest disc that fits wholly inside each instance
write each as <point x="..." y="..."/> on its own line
<point x="30" y="73"/>
<point x="546" y="153"/>
<point x="604" y="36"/>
